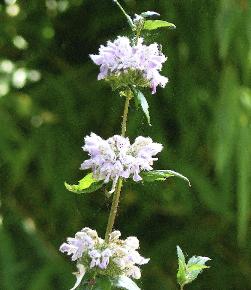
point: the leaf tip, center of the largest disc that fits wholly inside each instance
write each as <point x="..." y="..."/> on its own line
<point x="67" y="185"/>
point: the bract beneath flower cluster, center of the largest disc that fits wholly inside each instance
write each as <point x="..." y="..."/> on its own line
<point x="121" y="58"/>
<point x="116" y="157"/>
<point x="114" y="258"/>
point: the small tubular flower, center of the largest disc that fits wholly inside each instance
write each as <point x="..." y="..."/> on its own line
<point x="112" y="258"/>
<point x="121" y="58"/>
<point x="116" y="157"/>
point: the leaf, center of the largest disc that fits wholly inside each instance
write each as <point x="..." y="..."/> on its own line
<point x="189" y="272"/>
<point x="161" y="175"/>
<point x="181" y="274"/>
<point x="198" y="260"/>
<point x="195" y="266"/>
<point x="102" y="283"/>
<point x="86" y="185"/>
<point x="181" y="256"/>
<point x="155" y="24"/>
<point x="140" y="99"/>
<point x="125" y="283"/>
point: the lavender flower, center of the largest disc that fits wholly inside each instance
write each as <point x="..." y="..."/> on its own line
<point x="100" y="258"/>
<point x="83" y="241"/>
<point x="121" y="56"/>
<point x="116" y="157"/>
<point x="92" y="252"/>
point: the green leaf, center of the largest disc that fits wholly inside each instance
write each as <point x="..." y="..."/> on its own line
<point x="155" y="24"/>
<point x="181" y="256"/>
<point x="161" y="175"/>
<point x="181" y="274"/>
<point x="189" y="272"/>
<point x="86" y="185"/>
<point x="197" y="260"/>
<point x="125" y="283"/>
<point x="140" y="99"/>
<point x="102" y="283"/>
<point x="195" y="266"/>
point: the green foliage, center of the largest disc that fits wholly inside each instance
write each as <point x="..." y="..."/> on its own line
<point x="187" y="273"/>
<point x="202" y="118"/>
<point x="85" y="185"/>
<point x="161" y="175"/>
<point x="156" y="24"/>
<point x="8" y="262"/>
<point x="141" y="100"/>
<point x="105" y="283"/>
<point x="102" y="283"/>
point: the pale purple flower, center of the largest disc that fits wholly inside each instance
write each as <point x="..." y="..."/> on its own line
<point x="126" y="255"/>
<point x="78" y="245"/>
<point x="95" y="255"/>
<point x="98" y="254"/>
<point x="116" y="157"/>
<point x="121" y="56"/>
<point x="100" y="258"/>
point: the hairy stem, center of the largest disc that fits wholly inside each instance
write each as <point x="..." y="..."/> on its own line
<point x="116" y="195"/>
<point x="114" y="209"/>
<point x="125" y="114"/>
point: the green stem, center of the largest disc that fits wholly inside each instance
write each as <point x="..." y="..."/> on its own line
<point x="129" y="19"/>
<point x="116" y="195"/>
<point x="114" y="209"/>
<point x="181" y="287"/>
<point x="125" y="114"/>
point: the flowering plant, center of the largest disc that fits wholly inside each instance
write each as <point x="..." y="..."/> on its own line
<point x="113" y="258"/>
<point x="116" y="157"/>
<point x="126" y="64"/>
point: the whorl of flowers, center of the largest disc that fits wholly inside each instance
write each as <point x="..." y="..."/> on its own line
<point x="116" y="257"/>
<point x="116" y="157"/>
<point x="122" y="57"/>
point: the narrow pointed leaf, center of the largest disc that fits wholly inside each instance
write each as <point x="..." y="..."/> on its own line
<point x="181" y="274"/>
<point x="86" y="185"/>
<point x="161" y="175"/>
<point x="125" y="283"/>
<point x="155" y="24"/>
<point x="140" y="99"/>
<point x="180" y="255"/>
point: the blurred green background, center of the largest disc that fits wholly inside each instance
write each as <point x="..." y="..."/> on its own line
<point x="50" y="99"/>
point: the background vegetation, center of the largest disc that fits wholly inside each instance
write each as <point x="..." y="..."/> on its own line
<point x="50" y="99"/>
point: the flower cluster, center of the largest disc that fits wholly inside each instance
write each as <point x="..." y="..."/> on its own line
<point x="116" y="157"/>
<point x="112" y="258"/>
<point x="121" y="57"/>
